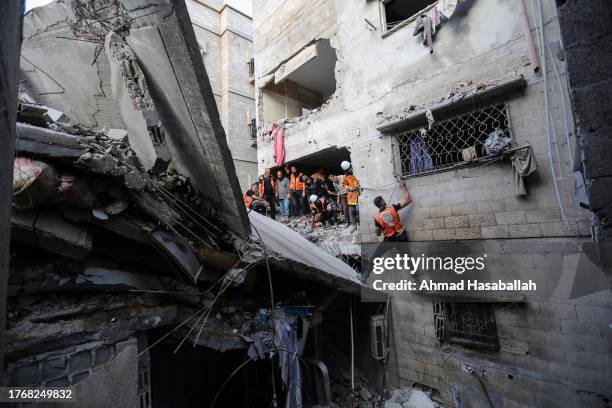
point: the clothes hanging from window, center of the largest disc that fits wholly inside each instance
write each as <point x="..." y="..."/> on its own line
<point x="278" y="140"/>
<point x="523" y="164"/>
<point x="420" y="159"/>
<point x="436" y="18"/>
<point x="428" y="23"/>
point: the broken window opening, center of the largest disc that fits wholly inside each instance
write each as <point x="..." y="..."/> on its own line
<point x="326" y="160"/>
<point x="253" y="132"/>
<point x="397" y="13"/>
<point x="329" y="235"/>
<point x="301" y="85"/>
<point x="251" y="64"/>
<point x="450" y="143"/>
<point x="471" y="325"/>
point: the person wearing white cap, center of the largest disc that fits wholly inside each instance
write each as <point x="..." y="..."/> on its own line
<point x="317" y="208"/>
<point x="351" y="184"/>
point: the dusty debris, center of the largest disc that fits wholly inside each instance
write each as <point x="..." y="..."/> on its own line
<point x="127" y="225"/>
<point x="338" y="240"/>
<point x="462" y="93"/>
<point x="410" y="398"/>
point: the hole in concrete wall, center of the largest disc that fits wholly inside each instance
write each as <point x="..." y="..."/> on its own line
<point x="397" y="11"/>
<point x="302" y="87"/>
<point x="327" y="160"/>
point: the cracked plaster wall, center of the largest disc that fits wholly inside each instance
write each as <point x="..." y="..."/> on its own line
<point x="483" y="41"/>
<point x="549" y="350"/>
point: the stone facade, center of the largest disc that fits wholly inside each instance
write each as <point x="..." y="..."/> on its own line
<point x="552" y="352"/>
<point x="225" y="38"/>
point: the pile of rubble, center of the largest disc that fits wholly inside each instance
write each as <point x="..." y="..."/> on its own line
<point x="461" y="91"/>
<point x="129" y="232"/>
<point x="338" y="240"/>
<point x="410" y="398"/>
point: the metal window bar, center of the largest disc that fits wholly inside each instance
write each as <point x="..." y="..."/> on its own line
<point x="471" y="325"/>
<point x="251" y="64"/>
<point x="423" y="151"/>
<point x="253" y="132"/>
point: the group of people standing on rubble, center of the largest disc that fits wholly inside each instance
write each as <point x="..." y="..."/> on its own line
<point x="327" y="199"/>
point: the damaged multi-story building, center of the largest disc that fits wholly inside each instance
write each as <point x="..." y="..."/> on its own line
<point x="225" y="43"/>
<point x="419" y="91"/>
<point x="224" y="36"/>
<point x="137" y="278"/>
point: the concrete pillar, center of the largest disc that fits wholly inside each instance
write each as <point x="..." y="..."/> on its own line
<point x="586" y="31"/>
<point x="10" y="38"/>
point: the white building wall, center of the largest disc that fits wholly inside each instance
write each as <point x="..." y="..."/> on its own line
<point x="225" y="37"/>
<point x="548" y="349"/>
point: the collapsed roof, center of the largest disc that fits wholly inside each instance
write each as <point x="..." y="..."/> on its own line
<point x="135" y="65"/>
<point x="122" y="173"/>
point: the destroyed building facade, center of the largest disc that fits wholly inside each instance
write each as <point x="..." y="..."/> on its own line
<point x="224" y="42"/>
<point x="137" y="277"/>
<point x="374" y="84"/>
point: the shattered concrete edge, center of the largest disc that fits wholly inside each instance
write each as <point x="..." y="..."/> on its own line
<point x="188" y="67"/>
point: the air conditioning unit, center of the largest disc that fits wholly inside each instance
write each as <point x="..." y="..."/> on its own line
<point x="378" y="337"/>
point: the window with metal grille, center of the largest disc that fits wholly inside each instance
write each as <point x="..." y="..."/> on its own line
<point x="471" y="325"/>
<point x="451" y="143"/>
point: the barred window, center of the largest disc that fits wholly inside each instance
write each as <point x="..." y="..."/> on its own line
<point x="253" y="132"/>
<point x="451" y="143"/>
<point x="471" y="325"/>
<point x="251" y="64"/>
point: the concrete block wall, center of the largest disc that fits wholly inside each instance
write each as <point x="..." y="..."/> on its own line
<point x="239" y="93"/>
<point x="289" y="26"/>
<point x="471" y="203"/>
<point x="553" y="352"/>
<point x="227" y="34"/>
<point x="588" y="52"/>
<point x="63" y="368"/>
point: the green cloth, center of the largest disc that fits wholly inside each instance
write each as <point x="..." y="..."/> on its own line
<point x="523" y="164"/>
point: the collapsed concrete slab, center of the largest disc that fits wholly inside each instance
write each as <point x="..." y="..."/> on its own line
<point x="64" y="65"/>
<point x="137" y="109"/>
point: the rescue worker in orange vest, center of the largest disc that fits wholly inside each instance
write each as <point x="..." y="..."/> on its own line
<point x="296" y="186"/>
<point x="387" y="219"/>
<point x="267" y="190"/>
<point x="252" y="201"/>
<point x="352" y="186"/>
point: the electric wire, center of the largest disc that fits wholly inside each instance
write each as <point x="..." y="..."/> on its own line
<point x="564" y="108"/>
<point x="241" y="366"/>
<point x="484" y="388"/>
<point x="547" y="110"/>
<point x="271" y="288"/>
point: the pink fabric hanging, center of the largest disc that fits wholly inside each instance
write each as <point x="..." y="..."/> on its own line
<point x="278" y="136"/>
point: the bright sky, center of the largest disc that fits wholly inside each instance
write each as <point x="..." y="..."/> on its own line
<point x="30" y="4"/>
<point x="245" y="6"/>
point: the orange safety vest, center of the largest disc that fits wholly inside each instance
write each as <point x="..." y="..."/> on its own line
<point x="261" y="187"/>
<point x="247" y="200"/>
<point x="295" y="184"/>
<point x="352" y="197"/>
<point x="389" y="220"/>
